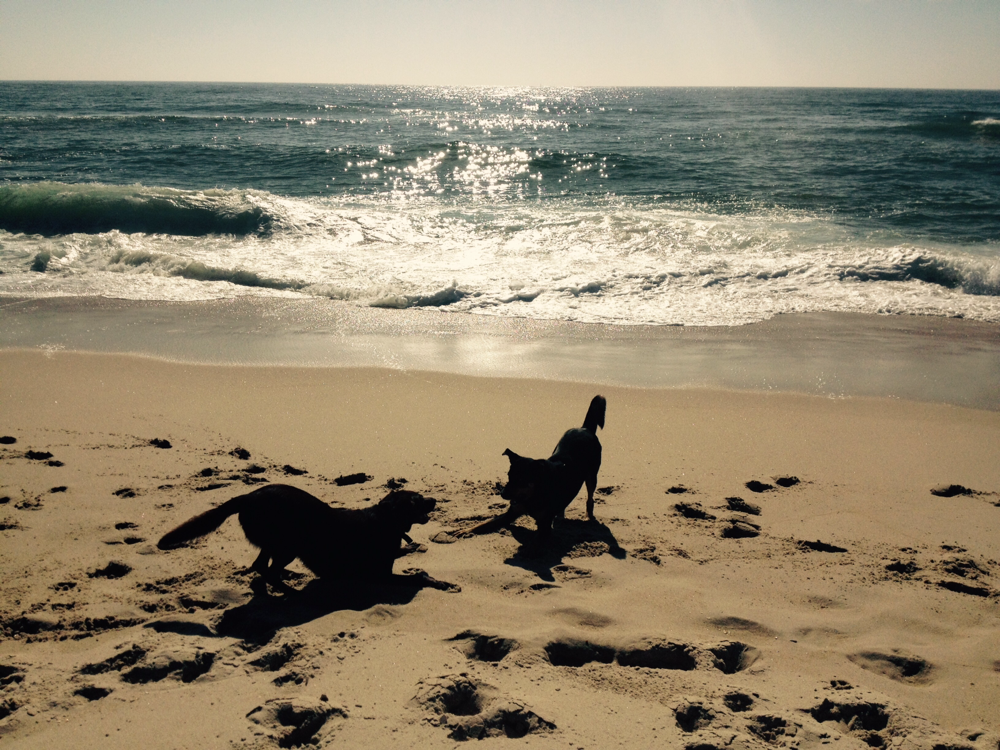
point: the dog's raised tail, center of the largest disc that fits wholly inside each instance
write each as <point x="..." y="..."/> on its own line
<point x="201" y="524"/>
<point x="595" y="414"/>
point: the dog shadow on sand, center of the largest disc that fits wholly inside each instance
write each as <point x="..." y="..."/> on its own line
<point x="265" y="614"/>
<point x="586" y="538"/>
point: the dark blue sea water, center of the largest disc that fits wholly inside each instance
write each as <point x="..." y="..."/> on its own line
<point x="690" y="206"/>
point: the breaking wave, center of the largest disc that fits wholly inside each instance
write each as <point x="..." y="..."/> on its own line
<point x="610" y="261"/>
<point x="52" y="208"/>
<point x="970" y="275"/>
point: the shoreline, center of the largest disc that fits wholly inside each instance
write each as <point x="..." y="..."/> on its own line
<point x="829" y="354"/>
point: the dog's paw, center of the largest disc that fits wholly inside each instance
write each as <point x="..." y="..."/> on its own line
<point x="412" y="548"/>
<point x="448" y="536"/>
<point x="425" y="580"/>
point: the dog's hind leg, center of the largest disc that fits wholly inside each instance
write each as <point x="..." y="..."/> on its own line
<point x="544" y="526"/>
<point x="260" y="564"/>
<point x="591" y="486"/>
<point x="279" y="560"/>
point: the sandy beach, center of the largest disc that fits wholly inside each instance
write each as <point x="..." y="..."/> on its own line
<point x="768" y="569"/>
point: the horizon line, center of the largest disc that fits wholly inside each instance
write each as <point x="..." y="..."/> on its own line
<point x="495" y="86"/>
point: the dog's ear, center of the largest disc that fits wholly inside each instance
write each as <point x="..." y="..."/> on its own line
<point x="511" y="455"/>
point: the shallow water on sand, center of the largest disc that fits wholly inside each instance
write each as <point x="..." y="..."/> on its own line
<point x="832" y="355"/>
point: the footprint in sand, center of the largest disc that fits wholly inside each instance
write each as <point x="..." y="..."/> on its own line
<point x="347" y="479"/>
<point x="125" y="658"/>
<point x="470" y="709"/>
<point x="570" y="572"/>
<point x="275" y="659"/>
<point x="293" y="722"/>
<point x="819" y="546"/>
<point x="693" y="511"/>
<point x="186" y="664"/>
<point x="904" y="568"/>
<point x="732" y="656"/>
<point x="692" y="716"/>
<point x="92" y="692"/>
<point x="740" y="528"/>
<point x="742" y="506"/>
<point x="570" y="652"/>
<point x="728" y="657"/>
<point x="484" y="647"/>
<point x="7" y="707"/>
<point x="895" y="665"/>
<point x="754" y="486"/>
<point x="113" y="569"/>
<point x="738" y="702"/>
<point x="953" y="490"/>
<point x="658" y="654"/>
<point x="769" y="728"/>
<point x="10" y="675"/>
<point x="964" y="588"/>
<point x="583" y="617"/>
<point x="740" y="624"/>
<point x="863" y="719"/>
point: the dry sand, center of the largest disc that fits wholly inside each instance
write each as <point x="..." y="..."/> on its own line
<point x="853" y="608"/>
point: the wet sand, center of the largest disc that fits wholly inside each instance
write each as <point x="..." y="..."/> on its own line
<point x="836" y="355"/>
<point x="768" y="569"/>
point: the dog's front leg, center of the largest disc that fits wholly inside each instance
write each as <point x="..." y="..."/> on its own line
<point x="591" y="486"/>
<point x="495" y="524"/>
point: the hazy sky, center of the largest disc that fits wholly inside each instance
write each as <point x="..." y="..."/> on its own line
<point x="877" y="43"/>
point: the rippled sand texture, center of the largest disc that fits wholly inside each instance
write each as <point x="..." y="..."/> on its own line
<point x="766" y="570"/>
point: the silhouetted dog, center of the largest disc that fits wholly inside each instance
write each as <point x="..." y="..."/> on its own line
<point x="339" y="543"/>
<point x="543" y="488"/>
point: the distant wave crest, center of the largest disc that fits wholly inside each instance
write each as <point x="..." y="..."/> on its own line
<point x="52" y="208"/>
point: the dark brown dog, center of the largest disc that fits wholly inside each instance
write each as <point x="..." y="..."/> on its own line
<point x="544" y="487"/>
<point x="339" y="543"/>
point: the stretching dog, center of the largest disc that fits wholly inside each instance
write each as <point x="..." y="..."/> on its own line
<point x="286" y="522"/>
<point x="543" y="488"/>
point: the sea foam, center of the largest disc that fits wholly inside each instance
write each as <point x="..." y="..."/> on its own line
<point x="616" y="261"/>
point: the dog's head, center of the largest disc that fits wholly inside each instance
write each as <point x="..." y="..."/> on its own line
<point x="404" y="508"/>
<point x="525" y="477"/>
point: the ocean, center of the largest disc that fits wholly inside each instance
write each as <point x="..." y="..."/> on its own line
<point x="690" y="207"/>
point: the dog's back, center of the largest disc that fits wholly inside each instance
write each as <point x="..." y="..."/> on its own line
<point x="544" y="488"/>
<point x="331" y="542"/>
<point x="285" y="523"/>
